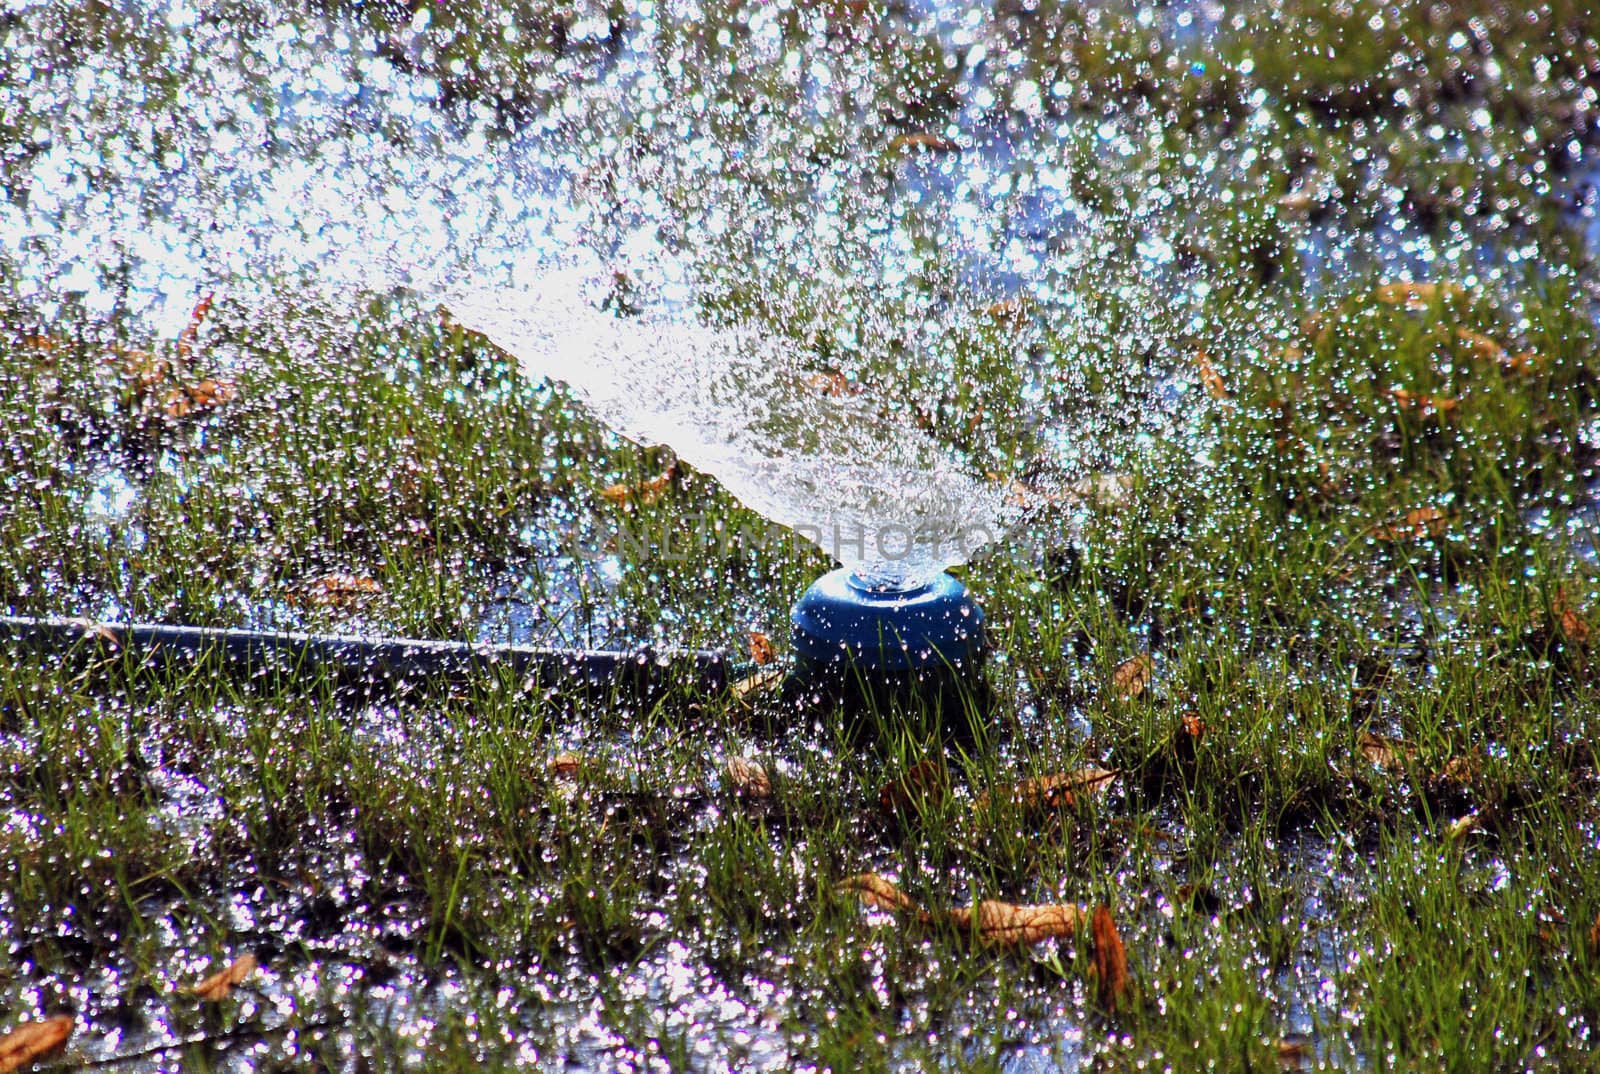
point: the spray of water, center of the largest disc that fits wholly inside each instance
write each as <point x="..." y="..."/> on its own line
<point x="850" y="472"/>
<point x="795" y="313"/>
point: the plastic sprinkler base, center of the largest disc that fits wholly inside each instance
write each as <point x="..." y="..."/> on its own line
<point x="897" y="652"/>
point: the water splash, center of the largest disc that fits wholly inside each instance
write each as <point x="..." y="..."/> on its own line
<point x="843" y="468"/>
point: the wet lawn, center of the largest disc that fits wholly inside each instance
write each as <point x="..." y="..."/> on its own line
<point x="1293" y="639"/>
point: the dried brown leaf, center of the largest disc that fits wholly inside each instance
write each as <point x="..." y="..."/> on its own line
<point x="1010" y="925"/>
<point x="1012" y="312"/>
<point x="1026" y="497"/>
<point x="644" y="493"/>
<point x="1574" y="626"/>
<point x="748" y="778"/>
<point x="1209" y="376"/>
<point x="1482" y="347"/>
<point x="1417" y="295"/>
<point x="761" y="648"/>
<point x="993" y="921"/>
<point x="1103" y="490"/>
<point x="142" y="370"/>
<point x="98" y="633"/>
<point x="219" y="985"/>
<point x="1396" y="755"/>
<point x="191" y="331"/>
<point x="1110" y="959"/>
<point x="565" y="765"/>
<point x="924" y="783"/>
<point x="1132" y="677"/>
<point x="184" y="401"/>
<point x="924" y="141"/>
<point x="876" y="892"/>
<point x="1060" y="790"/>
<point x="341" y="590"/>
<point x="1594" y="935"/>
<point x="1459" y="770"/>
<point x="762" y="681"/>
<point x="1293" y="1053"/>
<point x="834" y="384"/>
<point x="1524" y="364"/>
<point x="1425" y="406"/>
<point x="1388" y="753"/>
<point x="1317" y="327"/>
<point x="33" y="1041"/>
<point x="1419" y="523"/>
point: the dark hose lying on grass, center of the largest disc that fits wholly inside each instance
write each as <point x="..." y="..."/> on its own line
<point x="357" y="661"/>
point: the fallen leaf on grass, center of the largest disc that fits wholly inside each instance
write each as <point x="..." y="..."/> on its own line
<point x="761" y="648"/>
<point x="993" y="921"/>
<point x="1104" y="490"/>
<point x="748" y="778"/>
<point x="157" y="382"/>
<point x="1010" y="925"/>
<point x="1418" y="524"/>
<point x="834" y="384"/>
<point x="207" y="395"/>
<point x="1132" y="677"/>
<point x="340" y="590"/>
<point x="924" y="783"/>
<point x="1210" y="377"/>
<point x="97" y="632"/>
<point x="763" y="681"/>
<point x="1397" y="756"/>
<point x="1385" y="752"/>
<point x="1058" y="791"/>
<point x="1594" y="935"/>
<point x="191" y="331"/>
<point x="219" y="985"/>
<point x="1317" y="327"/>
<point x="1571" y="622"/>
<point x="1293" y="1053"/>
<point x="1110" y="959"/>
<point x="644" y="493"/>
<point x="876" y="892"/>
<point x="925" y="141"/>
<point x="1298" y="202"/>
<point x="1487" y="349"/>
<point x="1524" y="364"/>
<point x="565" y="765"/>
<point x="141" y="369"/>
<point x="33" y="1041"/>
<point x="1426" y="406"/>
<point x="1415" y="295"/>
<point x="1027" y="497"/>
<point x="1482" y="346"/>
<point x="1012" y="312"/>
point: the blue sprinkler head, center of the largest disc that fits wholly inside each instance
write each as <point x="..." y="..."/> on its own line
<point x="886" y="629"/>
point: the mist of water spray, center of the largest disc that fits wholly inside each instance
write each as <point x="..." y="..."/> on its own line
<point x="767" y="257"/>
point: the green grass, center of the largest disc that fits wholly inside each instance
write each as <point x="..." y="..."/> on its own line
<point x="1376" y="532"/>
